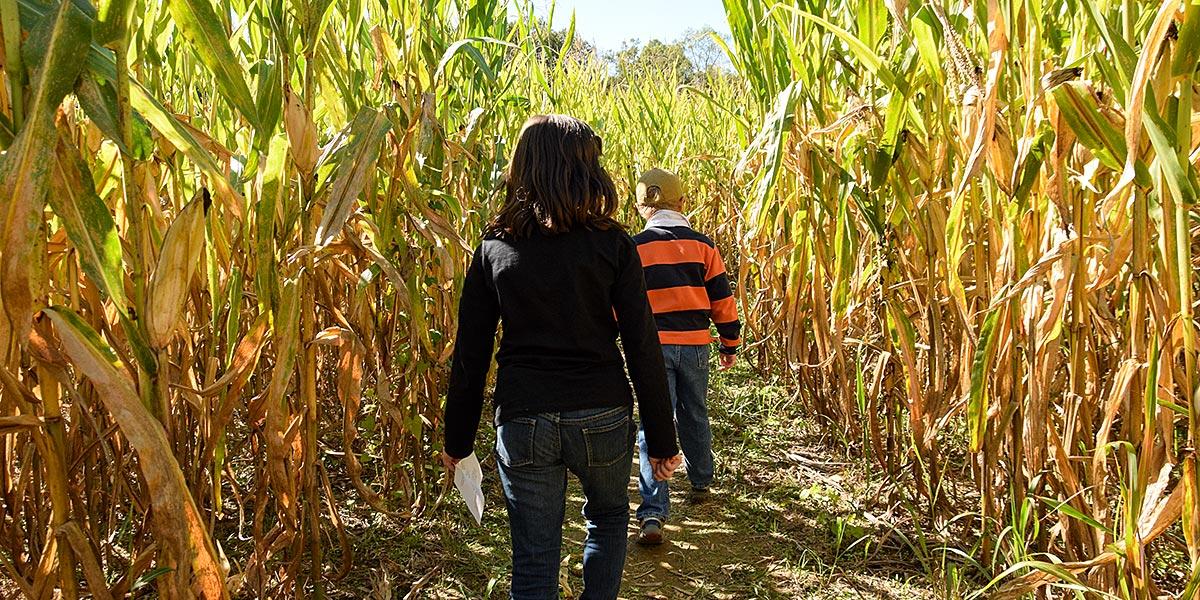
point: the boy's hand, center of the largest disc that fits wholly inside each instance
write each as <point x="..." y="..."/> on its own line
<point x="725" y="361"/>
<point x="665" y="467"/>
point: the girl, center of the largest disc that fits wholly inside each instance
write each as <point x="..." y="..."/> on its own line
<point x="564" y="279"/>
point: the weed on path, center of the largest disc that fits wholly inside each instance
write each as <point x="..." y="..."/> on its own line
<point x="789" y="518"/>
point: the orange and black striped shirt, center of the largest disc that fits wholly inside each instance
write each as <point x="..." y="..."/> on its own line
<point x="687" y="285"/>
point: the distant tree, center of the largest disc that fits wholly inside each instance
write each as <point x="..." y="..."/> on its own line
<point x="705" y="54"/>
<point x="549" y="43"/>
<point x="654" y="56"/>
<point x="695" y="56"/>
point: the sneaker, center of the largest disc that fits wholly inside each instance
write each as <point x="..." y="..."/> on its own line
<point x="699" y="495"/>
<point x="652" y="533"/>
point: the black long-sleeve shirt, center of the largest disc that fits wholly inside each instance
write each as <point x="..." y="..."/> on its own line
<point x="561" y="300"/>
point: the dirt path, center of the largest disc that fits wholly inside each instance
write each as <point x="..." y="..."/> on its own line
<point x="769" y="536"/>
<point x="787" y="519"/>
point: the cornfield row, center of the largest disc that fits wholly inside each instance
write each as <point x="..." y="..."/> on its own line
<point x="994" y="272"/>
<point x="233" y="233"/>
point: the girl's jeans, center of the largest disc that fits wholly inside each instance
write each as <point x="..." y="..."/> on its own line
<point x="687" y="378"/>
<point x="534" y="454"/>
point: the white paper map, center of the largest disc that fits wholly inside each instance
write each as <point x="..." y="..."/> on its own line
<point x="468" y="478"/>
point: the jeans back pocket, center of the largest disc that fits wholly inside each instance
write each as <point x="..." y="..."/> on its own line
<point x="515" y="442"/>
<point x="609" y="443"/>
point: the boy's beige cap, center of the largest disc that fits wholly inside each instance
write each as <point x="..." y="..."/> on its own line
<point x="660" y="188"/>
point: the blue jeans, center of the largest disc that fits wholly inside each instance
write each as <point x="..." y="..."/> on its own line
<point x="687" y="378"/>
<point x="534" y="454"/>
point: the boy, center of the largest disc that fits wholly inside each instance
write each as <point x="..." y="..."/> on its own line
<point x="688" y="287"/>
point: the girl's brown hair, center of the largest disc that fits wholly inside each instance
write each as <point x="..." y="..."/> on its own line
<point x="555" y="182"/>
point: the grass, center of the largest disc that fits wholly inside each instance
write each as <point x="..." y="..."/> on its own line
<point x="791" y="517"/>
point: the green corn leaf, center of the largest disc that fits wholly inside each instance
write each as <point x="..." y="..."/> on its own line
<point x="138" y="343"/>
<point x="1193" y="585"/>
<point x="313" y="16"/>
<point x="861" y="50"/>
<point x="467" y="46"/>
<point x="1126" y="58"/>
<point x="926" y="32"/>
<point x="285" y="331"/>
<point x="872" y="20"/>
<point x="89" y="224"/>
<point x="270" y="100"/>
<point x="867" y="205"/>
<point x="1079" y="108"/>
<point x="199" y="23"/>
<point x="1177" y="173"/>
<point x="568" y="41"/>
<point x="772" y="138"/>
<point x="1187" y="49"/>
<point x="169" y="127"/>
<point x="977" y="404"/>
<point x="904" y="340"/>
<point x="112" y="20"/>
<point x="273" y="190"/>
<point x="366" y="136"/>
<point x="234" y="313"/>
<point x="1150" y="394"/>
<point x="904" y="335"/>
<point x="146" y="579"/>
<point x="1066" y="509"/>
<point x="52" y="49"/>
<point x="99" y="101"/>
<point x="93" y="233"/>
<point x="956" y="246"/>
<point x="724" y="46"/>
<point x="1032" y="165"/>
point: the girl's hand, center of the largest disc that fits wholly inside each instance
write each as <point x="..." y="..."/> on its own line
<point x="665" y="467"/>
<point x="449" y="462"/>
<point x="725" y="361"/>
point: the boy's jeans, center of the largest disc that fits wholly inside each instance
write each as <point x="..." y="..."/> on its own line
<point x="687" y="378"/>
<point x="534" y="454"/>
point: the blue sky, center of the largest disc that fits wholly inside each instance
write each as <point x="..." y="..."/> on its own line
<point x="607" y="23"/>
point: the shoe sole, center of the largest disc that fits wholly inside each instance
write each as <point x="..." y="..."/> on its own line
<point x="650" y="540"/>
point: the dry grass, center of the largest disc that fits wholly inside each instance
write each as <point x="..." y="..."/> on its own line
<point x="780" y="525"/>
